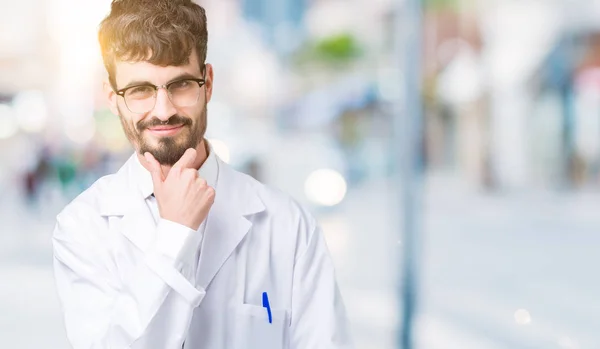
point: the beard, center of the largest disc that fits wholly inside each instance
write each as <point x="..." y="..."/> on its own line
<point x="166" y="150"/>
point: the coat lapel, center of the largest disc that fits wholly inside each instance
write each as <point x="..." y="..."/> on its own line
<point x="226" y="225"/>
<point x="138" y="225"/>
<point x="124" y="199"/>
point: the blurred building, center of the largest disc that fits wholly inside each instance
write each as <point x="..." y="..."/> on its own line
<point x="281" y="22"/>
<point x="489" y="69"/>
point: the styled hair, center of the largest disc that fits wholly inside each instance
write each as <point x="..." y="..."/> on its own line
<point x="161" y="32"/>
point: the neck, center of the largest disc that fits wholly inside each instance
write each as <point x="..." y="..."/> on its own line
<point x="201" y="155"/>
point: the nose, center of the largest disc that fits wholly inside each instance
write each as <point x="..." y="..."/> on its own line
<point x="163" y="108"/>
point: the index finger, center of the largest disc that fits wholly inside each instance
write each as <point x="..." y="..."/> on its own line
<point x="187" y="159"/>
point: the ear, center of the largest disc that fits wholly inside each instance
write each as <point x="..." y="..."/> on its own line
<point x="111" y="97"/>
<point x="209" y="76"/>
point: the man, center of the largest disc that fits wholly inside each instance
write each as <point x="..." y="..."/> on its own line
<point x="177" y="249"/>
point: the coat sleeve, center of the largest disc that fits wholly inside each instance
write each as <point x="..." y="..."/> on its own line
<point x="319" y="318"/>
<point x="101" y="310"/>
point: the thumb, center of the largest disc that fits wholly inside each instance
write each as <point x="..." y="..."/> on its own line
<point x="157" y="176"/>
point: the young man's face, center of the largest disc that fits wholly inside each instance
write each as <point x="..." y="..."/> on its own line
<point x="162" y="125"/>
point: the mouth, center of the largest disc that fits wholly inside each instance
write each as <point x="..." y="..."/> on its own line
<point x="167" y="130"/>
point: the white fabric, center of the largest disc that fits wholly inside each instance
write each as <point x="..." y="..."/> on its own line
<point x="122" y="279"/>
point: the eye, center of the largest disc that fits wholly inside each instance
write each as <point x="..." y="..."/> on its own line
<point x="181" y="85"/>
<point x="140" y="92"/>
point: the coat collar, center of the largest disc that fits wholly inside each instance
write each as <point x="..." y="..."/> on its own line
<point x="227" y="223"/>
<point x="208" y="171"/>
<point x="122" y="190"/>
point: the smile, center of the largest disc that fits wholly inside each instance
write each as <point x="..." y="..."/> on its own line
<point x="168" y="130"/>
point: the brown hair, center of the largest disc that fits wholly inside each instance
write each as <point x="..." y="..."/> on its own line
<point x="161" y="32"/>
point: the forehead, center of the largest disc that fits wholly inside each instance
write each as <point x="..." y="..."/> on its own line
<point x="126" y="72"/>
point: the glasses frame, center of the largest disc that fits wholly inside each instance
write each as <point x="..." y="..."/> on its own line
<point x="121" y="92"/>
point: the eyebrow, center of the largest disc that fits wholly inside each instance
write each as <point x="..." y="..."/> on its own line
<point x="145" y="82"/>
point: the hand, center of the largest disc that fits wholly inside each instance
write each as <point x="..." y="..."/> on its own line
<point x="183" y="197"/>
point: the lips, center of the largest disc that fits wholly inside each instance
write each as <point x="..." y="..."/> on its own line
<point x="165" y="130"/>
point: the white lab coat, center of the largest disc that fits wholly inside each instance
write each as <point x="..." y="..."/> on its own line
<point x="119" y="288"/>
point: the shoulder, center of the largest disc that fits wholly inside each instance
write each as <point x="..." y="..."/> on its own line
<point x="89" y="199"/>
<point x="103" y="195"/>
<point x="83" y="213"/>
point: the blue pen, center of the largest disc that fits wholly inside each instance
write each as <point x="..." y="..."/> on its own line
<point x="268" y="306"/>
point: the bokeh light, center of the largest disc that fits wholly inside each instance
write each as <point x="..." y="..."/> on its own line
<point x="31" y="110"/>
<point x="8" y="124"/>
<point x="522" y="317"/>
<point x="81" y="132"/>
<point x="325" y="187"/>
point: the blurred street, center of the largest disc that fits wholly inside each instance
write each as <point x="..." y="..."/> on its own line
<point x="486" y="257"/>
<point x="308" y="98"/>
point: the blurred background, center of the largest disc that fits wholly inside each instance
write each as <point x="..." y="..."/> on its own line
<point x="308" y="94"/>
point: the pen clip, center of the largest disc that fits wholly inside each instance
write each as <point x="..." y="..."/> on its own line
<point x="265" y="304"/>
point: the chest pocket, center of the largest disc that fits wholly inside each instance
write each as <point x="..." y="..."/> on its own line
<point x="253" y="330"/>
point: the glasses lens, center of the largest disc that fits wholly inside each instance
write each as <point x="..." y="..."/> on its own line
<point x="184" y="93"/>
<point x="140" y="99"/>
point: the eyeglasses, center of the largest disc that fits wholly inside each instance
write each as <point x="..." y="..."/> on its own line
<point x="141" y="99"/>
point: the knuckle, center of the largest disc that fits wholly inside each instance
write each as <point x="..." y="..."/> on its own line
<point x="189" y="173"/>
